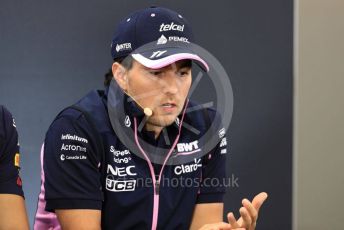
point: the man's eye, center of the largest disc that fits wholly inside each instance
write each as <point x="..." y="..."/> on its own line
<point x="183" y="73"/>
<point x="156" y="73"/>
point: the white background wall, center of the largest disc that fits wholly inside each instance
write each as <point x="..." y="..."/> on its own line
<point x="319" y="115"/>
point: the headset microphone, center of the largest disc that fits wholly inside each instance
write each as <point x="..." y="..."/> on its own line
<point x="147" y="111"/>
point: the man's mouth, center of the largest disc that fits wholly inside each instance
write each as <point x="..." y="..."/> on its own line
<point x="169" y="107"/>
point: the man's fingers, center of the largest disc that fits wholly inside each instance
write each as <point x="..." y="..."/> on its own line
<point x="247" y="220"/>
<point x="249" y="213"/>
<point x="232" y="220"/>
<point x="251" y="209"/>
<point x="259" y="200"/>
<point x="223" y="226"/>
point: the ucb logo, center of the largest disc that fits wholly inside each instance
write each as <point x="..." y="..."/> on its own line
<point x="120" y="185"/>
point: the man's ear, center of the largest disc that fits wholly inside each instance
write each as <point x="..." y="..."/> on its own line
<point x="120" y="75"/>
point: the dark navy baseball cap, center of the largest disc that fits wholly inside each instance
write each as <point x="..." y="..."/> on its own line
<point x="156" y="37"/>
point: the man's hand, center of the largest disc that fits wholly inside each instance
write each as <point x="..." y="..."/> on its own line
<point x="82" y="219"/>
<point x="13" y="213"/>
<point x="249" y="213"/>
<point x="219" y="226"/>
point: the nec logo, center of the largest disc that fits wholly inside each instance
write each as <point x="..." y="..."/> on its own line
<point x="172" y="26"/>
<point x="121" y="171"/>
<point x="187" y="147"/>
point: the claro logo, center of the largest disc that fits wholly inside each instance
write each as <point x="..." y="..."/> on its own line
<point x="181" y="169"/>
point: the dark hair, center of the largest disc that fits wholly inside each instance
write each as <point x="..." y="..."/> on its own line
<point x="126" y="62"/>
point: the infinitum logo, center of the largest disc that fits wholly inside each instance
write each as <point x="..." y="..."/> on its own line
<point x="172" y="26"/>
<point x="74" y="138"/>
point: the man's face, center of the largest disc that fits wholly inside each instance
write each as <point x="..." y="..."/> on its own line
<point x="163" y="90"/>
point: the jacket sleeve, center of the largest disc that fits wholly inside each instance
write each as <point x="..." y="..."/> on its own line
<point x="10" y="181"/>
<point x="71" y="165"/>
<point x="214" y="179"/>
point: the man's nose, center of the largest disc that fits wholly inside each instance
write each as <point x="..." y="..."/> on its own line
<point x="170" y="83"/>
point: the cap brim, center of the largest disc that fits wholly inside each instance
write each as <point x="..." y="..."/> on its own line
<point x="156" y="59"/>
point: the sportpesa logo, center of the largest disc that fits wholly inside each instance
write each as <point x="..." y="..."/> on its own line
<point x="123" y="156"/>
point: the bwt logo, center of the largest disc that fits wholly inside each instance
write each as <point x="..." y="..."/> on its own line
<point x="121" y="171"/>
<point x="187" y="147"/>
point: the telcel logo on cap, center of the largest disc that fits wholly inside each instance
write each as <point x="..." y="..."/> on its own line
<point x="172" y="26"/>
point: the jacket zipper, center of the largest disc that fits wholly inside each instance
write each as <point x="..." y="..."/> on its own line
<point x="156" y="183"/>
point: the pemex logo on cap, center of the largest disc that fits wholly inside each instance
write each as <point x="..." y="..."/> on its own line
<point x="162" y="40"/>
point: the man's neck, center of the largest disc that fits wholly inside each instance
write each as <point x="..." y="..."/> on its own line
<point x="153" y="128"/>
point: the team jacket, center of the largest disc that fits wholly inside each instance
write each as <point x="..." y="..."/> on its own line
<point x="10" y="182"/>
<point x="86" y="165"/>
